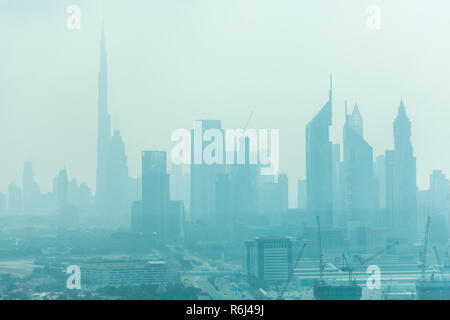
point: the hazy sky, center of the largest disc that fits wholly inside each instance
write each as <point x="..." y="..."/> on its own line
<point x="174" y="61"/>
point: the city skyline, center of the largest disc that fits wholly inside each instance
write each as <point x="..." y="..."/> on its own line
<point x="138" y="136"/>
<point x="224" y="150"/>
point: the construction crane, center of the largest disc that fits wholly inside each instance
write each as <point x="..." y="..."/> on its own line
<point x="365" y="261"/>
<point x="291" y="274"/>
<point x="346" y="266"/>
<point x="423" y="253"/>
<point x="321" y="265"/>
<point x="447" y="259"/>
<point x="440" y="267"/>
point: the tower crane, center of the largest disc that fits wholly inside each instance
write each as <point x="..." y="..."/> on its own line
<point x="365" y="261"/>
<point x="447" y="259"/>
<point x="346" y="266"/>
<point x="440" y="267"/>
<point x="423" y="253"/>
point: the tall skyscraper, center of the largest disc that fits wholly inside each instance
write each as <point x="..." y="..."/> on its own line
<point x="155" y="192"/>
<point x="338" y="186"/>
<point x="14" y="198"/>
<point x="2" y="203"/>
<point x="283" y="191"/>
<point x="224" y="204"/>
<point x="359" y="190"/>
<point x="244" y="186"/>
<point x="104" y="129"/>
<point x="439" y="206"/>
<point x="203" y="176"/>
<point x="112" y="170"/>
<point x="61" y="188"/>
<point x="319" y="174"/>
<point x="401" y="177"/>
<point x="301" y="194"/>
<point x="31" y="192"/>
<point x="118" y="177"/>
<point x="440" y="193"/>
<point x="379" y="171"/>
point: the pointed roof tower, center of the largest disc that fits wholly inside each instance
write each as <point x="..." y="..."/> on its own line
<point x="357" y="121"/>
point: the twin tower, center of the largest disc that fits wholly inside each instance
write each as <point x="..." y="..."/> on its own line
<point x="350" y="191"/>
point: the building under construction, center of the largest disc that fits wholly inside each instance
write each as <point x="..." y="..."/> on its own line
<point x="432" y="288"/>
<point x="325" y="291"/>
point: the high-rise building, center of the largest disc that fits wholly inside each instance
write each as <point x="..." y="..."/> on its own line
<point x="14" y="198"/>
<point x="439" y="206"/>
<point x="136" y="217"/>
<point x="180" y="184"/>
<point x="31" y="193"/>
<point x="2" y="203"/>
<point x="359" y="184"/>
<point x="401" y="188"/>
<point x="104" y="130"/>
<point x="338" y="186"/>
<point x="112" y="170"/>
<point x="273" y="197"/>
<point x="174" y="220"/>
<point x="203" y="176"/>
<point x="319" y="174"/>
<point x="118" y="177"/>
<point x="155" y="192"/>
<point x="283" y="190"/>
<point x="224" y="205"/>
<point x="388" y="219"/>
<point x="61" y="189"/>
<point x="439" y="192"/>
<point x="379" y="172"/>
<point x="301" y="194"/>
<point x="85" y="198"/>
<point x="244" y="185"/>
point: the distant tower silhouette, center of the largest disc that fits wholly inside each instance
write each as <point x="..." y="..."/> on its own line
<point x="319" y="174"/>
<point x="204" y="179"/>
<point x="104" y="128"/>
<point x="401" y="194"/>
<point x="31" y="192"/>
<point x="118" y="176"/>
<point x="62" y="189"/>
<point x="359" y="185"/>
<point x="356" y="121"/>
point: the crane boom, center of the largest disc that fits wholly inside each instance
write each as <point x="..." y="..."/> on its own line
<point x="440" y="266"/>
<point x="376" y="254"/>
<point x="291" y="274"/>
<point x="423" y="255"/>
<point x="347" y="267"/>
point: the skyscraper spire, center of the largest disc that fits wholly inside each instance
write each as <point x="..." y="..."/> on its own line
<point x="401" y="108"/>
<point x="104" y="126"/>
<point x="357" y="121"/>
